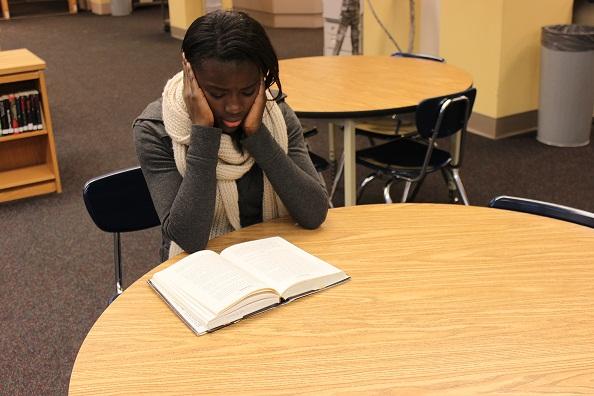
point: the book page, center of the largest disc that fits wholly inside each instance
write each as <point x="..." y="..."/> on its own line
<point x="210" y="281"/>
<point x="282" y="265"/>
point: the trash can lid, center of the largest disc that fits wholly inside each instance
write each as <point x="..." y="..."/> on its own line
<point x="573" y="38"/>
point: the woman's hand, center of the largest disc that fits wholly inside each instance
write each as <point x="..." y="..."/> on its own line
<point x="198" y="108"/>
<point x="253" y="120"/>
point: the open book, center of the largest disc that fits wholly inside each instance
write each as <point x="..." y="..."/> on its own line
<point x="209" y="290"/>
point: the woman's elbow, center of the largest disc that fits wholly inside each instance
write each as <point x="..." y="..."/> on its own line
<point x="188" y="242"/>
<point x="314" y="217"/>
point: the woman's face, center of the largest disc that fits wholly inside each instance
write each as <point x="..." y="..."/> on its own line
<point x="230" y="89"/>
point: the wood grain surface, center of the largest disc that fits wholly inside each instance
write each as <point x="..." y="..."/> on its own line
<point x="363" y="84"/>
<point x="443" y="300"/>
<point x="19" y="61"/>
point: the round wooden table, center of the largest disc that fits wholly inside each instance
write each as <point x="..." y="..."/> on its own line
<point x="344" y="88"/>
<point x="443" y="300"/>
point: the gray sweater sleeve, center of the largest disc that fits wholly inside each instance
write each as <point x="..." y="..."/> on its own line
<point x="292" y="175"/>
<point x="185" y="205"/>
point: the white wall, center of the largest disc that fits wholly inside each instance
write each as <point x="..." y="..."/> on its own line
<point x="428" y="28"/>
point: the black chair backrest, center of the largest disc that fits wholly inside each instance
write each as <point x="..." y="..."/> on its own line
<point x="419" y="56"/>
<point x="456" y="109"/>
<point x="309" y="131"/>
<point x="541" y="208"/>
<point x="120" y="201"/>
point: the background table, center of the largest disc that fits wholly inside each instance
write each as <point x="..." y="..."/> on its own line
<point x="348" y="87"/>
<point x="72" y="8"/>
<point x="444" y="299"/>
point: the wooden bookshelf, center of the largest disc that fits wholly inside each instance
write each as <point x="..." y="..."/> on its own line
<point x="24" y="135"/>
<point x="28" y="162"/>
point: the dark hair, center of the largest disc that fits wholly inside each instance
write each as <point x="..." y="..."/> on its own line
<point x="231" y="36"/>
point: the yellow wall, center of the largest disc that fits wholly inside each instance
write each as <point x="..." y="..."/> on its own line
<point x="394" y="14"/>
<point x="497" y="41"/>
<point x="470" y="37"/>
<point x="183" y="12"/>
<point x="519" y="77"/>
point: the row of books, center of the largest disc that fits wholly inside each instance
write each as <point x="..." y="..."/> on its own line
<point x="20" y="112"/>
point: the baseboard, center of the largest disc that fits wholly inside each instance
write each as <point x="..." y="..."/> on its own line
<point x="499" y="128"/>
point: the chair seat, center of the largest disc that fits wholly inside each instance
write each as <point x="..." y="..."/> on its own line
<point x="402" y="155"/>
<point x="409" y="159"/>
<point x="386" y="127"/>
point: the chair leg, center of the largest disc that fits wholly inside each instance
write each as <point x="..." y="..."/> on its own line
<point x="449" y="181"/>
<point x="407" y="185"/>
<point x="455" y="186"/>
<point x="459" y="186"/>
<point x="364" y="183"/>
<point x="5" y="9"/>
<point x="418" y="185"/>
<point x="387" y="196"/>
<point x="117" y="257"/>
<point x="339" y="170"/>
<point x="321" y="176"/>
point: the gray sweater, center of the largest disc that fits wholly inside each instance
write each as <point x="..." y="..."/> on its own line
<point x="186" y="205"/>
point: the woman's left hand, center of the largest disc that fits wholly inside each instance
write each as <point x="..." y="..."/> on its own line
<point x="253" y="120"/>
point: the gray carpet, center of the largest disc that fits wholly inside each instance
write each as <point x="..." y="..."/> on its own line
<point x="56" y="266"/>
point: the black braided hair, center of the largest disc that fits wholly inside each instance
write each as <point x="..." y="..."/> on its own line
<point x="232" y="36"/>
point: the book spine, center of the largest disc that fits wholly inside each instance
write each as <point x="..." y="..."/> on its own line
<point x="28" y="112"/>
<point x="31" y="101"/>
<point x="17" y="101"/>
<point x="3" y="126"/>
<point x="9" y="129"/>
<point x="13" y="113"/>
<point x="23" y="112"/>
<point x="37" y="108"/>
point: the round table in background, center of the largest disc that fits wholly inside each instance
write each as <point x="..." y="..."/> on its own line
<point x="345" y="88"/>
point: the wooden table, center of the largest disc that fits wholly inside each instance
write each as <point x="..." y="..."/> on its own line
<point x="443" y="300"/>
<point x="344" y="88"/>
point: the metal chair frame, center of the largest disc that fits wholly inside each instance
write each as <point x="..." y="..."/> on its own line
<point x="449" y="171"/>
<point x="320" y="163"/>
<point x="542" y="208"/>
<point x="396" y="119"/>
<point x="116" y="210"/>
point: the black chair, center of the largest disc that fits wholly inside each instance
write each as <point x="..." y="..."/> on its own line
<point x="385" y="128"/>
<point x="320" y="163"/>
<point x="120" y="202"/>
<point x="410" y="159"/>
<point x="541" y="208"/>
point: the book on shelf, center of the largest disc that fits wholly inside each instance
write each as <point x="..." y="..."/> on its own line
<point x="20" y="112"/>
<point x="208" y="290"/>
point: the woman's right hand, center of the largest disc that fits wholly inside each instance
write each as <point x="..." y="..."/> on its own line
<point x="198" y="108"/>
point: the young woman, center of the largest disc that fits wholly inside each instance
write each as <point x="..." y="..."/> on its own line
<point x="218" y="151"/>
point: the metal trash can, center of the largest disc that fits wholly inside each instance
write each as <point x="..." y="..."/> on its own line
<point x="121" y="7"/>
<point x="566" y="85"/>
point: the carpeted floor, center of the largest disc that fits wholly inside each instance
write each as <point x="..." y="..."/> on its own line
<point x="56" y="270"/>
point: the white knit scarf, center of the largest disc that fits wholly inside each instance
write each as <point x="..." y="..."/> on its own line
<point x="231" y="164"/>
